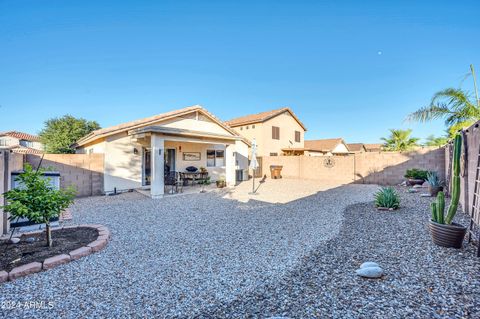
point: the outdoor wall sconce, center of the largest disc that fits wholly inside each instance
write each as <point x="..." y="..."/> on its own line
<point x="135" y="151"/>
<point x="180" y="148"/>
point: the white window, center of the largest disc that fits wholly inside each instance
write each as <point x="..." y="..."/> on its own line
<point x="215" y="158"/>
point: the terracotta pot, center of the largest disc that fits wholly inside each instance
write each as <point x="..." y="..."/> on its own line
<point x="413" y="181"/>
<point x="447" y="235"/>
<point x="433" y="190"/>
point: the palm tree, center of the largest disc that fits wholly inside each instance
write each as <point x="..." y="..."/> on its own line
<point x="436" y="141"/>
<point x="400" y="140"/>
<point x="456" y="106"/>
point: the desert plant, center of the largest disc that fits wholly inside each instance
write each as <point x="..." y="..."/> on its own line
<point x="415" y="173"/>
<point x="387" y="197"/>
<point x="438" y="213"/>
<point x="456" y="106"/>
<point x="433" y="179"/>
<point x="37" y="200"/>
<point x="400" y="140"/>
<point x="440" y="141"/>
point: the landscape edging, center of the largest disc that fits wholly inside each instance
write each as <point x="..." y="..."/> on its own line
<point x="98" y="244"/>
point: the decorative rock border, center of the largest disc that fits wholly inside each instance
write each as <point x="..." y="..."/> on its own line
<point x="52" y="262"/>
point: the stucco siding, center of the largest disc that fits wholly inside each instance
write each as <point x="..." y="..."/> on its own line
<point x="288" y="125"/>
<point x="123" y="168"/>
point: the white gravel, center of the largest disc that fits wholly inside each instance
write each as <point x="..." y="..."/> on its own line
<point x="183" y="255"/>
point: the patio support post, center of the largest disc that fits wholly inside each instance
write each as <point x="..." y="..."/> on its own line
<point x="230" y="164"/>
<point x="158" y="164"/>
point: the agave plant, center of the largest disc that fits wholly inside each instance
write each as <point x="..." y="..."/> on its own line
<point x="433" y="179"/>
<point x="387" y="197"/>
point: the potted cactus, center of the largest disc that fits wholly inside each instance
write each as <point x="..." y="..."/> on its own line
<point x="435" y="184"/>
<point x="442" y="229"/>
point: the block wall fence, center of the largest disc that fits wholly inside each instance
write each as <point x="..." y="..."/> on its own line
<point x="383" y="168"/>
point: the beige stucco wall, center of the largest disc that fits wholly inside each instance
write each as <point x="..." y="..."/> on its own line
<point x="123" y="168"/>
<point x="263" y="134"/>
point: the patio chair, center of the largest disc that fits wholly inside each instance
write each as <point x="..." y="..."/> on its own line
<point x="173" y="180"/>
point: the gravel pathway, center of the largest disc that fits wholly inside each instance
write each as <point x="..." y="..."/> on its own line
<point x="421" y="281"/>
<point x="183" y="256"/>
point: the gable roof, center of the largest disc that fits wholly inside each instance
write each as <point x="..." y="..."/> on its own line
<point x="262" y="117"/>
<point x="104" y="132"/>
<point x="21" y="136"/>
<point x="324" y="145"/>
<point x="356" y="147"/>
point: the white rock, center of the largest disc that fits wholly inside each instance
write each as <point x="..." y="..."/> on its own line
<point x="370" y="272"/>
<point x="369" y="264"/>
<point x="14" y="240"/>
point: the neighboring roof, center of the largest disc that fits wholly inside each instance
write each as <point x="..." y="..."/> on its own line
<point x="22" y="149"/>
<point x="104" y="132"/>
<point x="373" y="147"/>
<point x="356" y="147"/>
<point x="324" y="145"/>
<point x="262" y="117"/>
<point x="21" y="136"/>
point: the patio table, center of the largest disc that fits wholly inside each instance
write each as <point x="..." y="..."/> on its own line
<point x="194" y="176"/>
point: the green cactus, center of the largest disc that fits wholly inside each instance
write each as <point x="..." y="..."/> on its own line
<point x="457" y="150"/>
<point x="433" y="206"/>
<point x="440" y="207"/>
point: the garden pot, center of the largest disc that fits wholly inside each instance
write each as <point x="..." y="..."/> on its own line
<point x="447" y="235"/>
<point x="413" y="181"/>
<point x="221" y="184"/>
<point x="433" y="190"/>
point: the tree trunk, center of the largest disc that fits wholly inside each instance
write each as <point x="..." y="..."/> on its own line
<point x="49" y="234"/>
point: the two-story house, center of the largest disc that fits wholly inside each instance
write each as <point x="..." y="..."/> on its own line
<point x="277" y="132"/>
<point x="20" y="142"/>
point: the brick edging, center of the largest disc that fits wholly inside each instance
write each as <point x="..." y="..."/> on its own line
<point x="54" y="261"/>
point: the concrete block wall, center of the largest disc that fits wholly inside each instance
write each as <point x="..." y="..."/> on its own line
<point x="383" y="168"/>
<point x="8" y="162"/>
<point x="82" y="171"/>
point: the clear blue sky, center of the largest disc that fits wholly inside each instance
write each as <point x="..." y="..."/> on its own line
<point x="116" y="61"/>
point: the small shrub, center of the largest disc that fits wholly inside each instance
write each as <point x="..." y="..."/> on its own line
<point x="415" y="173"/>
<point x="37" y="200"/>
<point x="387" y="197"/>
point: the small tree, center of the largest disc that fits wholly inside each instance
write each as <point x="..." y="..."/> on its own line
<point x="60" y="133"/>
<point x="37" y="200"/>
<point x="400" y="140"/>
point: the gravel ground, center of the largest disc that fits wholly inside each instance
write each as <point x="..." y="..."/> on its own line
<point x="192" y="255"/>
<point x="421" y="280"/>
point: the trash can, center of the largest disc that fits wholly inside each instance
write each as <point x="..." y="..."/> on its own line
<point x="276" y="171"/>
<point x="238" y="175"/>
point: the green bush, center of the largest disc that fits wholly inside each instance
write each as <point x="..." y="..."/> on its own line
<point x="387" y="197"/>
<point x="415" y="173"/>
<point x="36" y="200"/>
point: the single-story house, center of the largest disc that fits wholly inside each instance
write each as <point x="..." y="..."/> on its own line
<point x="137" y="153"/>
<point x="329" y="146"/>
<point x="356" y="147"/>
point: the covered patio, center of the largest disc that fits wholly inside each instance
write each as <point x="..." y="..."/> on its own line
<point x="169" y="156"/>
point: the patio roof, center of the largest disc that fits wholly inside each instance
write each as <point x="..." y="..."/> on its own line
<point x="199" y="136"/>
